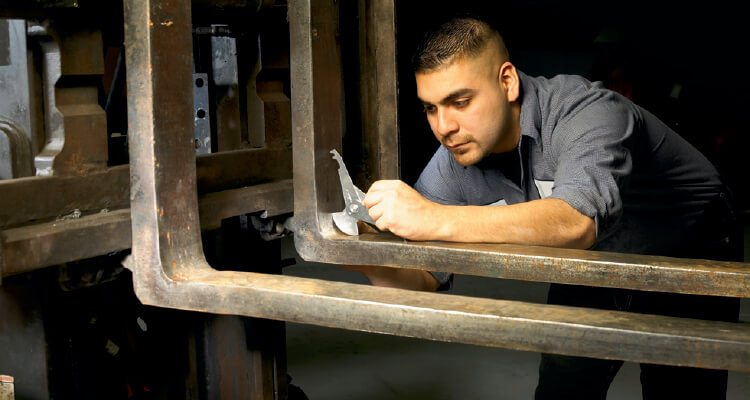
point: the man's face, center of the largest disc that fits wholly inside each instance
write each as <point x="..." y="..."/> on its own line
<point x="468" y="108"/>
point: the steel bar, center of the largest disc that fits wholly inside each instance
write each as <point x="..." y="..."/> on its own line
<point x="379" y="93"/>
<point x="51" y="243"/>
<point x="28" y="199"/>
<point x="486" y="322"/>
<point x="274" y="198"/>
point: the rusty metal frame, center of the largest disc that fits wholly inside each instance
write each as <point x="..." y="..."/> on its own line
<point x="317" y="112"/>
<point x="170" y="269"/>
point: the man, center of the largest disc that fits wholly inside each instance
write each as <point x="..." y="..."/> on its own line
<point x="567" y="163"/>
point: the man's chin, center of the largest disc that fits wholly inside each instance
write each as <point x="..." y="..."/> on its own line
<point x="466" y="158"/>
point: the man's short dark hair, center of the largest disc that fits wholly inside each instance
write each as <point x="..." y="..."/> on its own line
<point x="458" y="38"/>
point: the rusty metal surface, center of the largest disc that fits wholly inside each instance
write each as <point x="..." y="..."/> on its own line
<point x="239" y="168"/>
<point x="275" y="198"/>
<point x="227" y="93"/>
<point x="379" y="92"/>
<point x="76" y="126"/>
<point x="28" y="199"/>
<point x="51" y="243"/>
<point x="486" y="322"/>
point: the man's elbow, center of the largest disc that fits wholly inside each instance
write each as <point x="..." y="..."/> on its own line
<point x="585" y="235"/>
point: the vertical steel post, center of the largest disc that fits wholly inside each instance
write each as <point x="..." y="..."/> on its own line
<point x="164" y="202"/>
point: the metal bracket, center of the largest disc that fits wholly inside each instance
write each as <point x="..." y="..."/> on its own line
<point x="76" y="126"/>
<point x="201" y="114"/>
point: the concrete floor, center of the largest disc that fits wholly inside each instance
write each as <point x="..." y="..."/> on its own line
<point x="336" y="364"/>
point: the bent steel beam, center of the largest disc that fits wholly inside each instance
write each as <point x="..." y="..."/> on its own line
<point x="170" y="270"/>
<point x="317" y="129"/>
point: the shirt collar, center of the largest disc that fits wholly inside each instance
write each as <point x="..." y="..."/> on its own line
<point x="531" y="115"/>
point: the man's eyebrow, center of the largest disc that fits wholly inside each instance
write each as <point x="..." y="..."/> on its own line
<point x="452" y="96"/>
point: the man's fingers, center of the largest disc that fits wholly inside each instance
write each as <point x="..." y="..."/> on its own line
<point x="382" y="224"/>
<point x="372" y="198"/>
<point x="375" y="212"/>
<point x="384" y="185"/>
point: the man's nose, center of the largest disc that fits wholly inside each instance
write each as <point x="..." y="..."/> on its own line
<point x="446" y="124"/>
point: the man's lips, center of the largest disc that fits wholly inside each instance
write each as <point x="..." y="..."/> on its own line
<point x="457" y="146"/>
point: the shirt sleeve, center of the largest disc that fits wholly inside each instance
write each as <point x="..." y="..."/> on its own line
<point x="591" y="150"/>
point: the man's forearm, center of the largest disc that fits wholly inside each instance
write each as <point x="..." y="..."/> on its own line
<point x="401" y="278"/>
<point x="398" y="208"/>
<point x="548" y="222"/>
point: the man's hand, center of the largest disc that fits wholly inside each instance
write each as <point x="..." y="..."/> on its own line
<point x="398" y="208"/>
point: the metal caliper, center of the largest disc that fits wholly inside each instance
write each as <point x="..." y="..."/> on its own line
<point x="354" y="210"/>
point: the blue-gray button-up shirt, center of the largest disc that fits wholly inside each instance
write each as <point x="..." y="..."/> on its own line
<point x="608" y="158"/>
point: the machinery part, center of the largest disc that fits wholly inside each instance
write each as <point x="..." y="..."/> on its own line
<point x="18" y="120"/>
<point x="354" y="210"/>
<point x="170" y="270"/>
<point x="201" y="114"/>
<point x="68" y="239"/>
<point x="271" y="228"/>
<point x="15" y="151"/>
<point x="227" y="93"/>
<point x="76" y="126"/>
<point x="28" y="199"/>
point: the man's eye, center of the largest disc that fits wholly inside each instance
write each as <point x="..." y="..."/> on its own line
<point x="429" y="109"/>
<point x="461" y="103"/>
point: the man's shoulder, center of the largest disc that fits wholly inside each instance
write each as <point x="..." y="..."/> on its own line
<point x="558" y="83"/>
<point x="442" y="163"/>
<point x="437" y="180"/>
<point x="573" y="98"/>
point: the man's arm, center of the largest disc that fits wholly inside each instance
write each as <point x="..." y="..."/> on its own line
<point x="398" y="208"/>
<point x="402" y="278"/>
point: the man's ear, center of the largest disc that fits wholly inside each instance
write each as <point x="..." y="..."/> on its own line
<point x="508" y="77"/>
